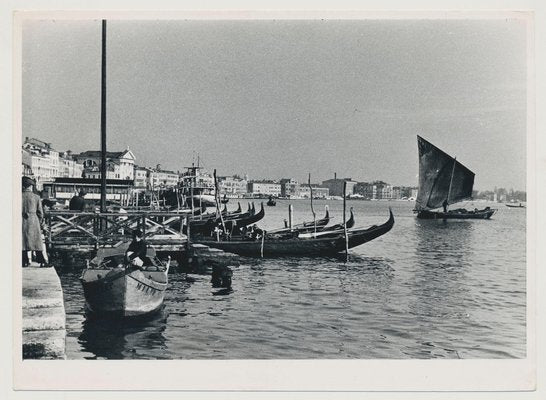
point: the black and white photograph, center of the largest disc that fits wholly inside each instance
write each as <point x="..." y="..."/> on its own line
<point x="239" y="188"/>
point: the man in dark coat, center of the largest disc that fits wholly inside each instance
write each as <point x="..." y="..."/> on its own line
<point x="136" y="252"/>
<point x="77" y="203"/>
<point x="32" y="219"/>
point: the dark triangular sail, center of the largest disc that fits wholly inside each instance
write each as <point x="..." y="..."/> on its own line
<point x="435" y="175"/>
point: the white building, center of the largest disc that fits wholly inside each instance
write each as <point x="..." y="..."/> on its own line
<point x="232" y="186"/>
<point x="45" y="164"/>
<point x="119" y="165"/>
<point x="266" y="188"/>
<point x="386" y="192"/>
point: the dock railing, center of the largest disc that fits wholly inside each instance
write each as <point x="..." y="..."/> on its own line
<point x="74" y="229"/>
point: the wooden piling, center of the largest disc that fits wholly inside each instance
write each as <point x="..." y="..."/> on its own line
<point x="312" y="209"/>
<point x="345" y="221"/>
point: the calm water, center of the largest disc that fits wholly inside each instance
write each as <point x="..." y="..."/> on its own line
<point x="427" y="289"/>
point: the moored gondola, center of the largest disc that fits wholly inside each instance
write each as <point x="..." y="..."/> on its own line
<point x="332" y="243"/>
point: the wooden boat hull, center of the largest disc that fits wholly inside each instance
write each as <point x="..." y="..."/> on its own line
<point x="514" y="206"/>
<point x="480" y="214"/>
<point x="329" y="245"/>
<point x="121" y="292"/>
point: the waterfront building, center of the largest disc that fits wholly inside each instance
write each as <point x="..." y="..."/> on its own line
<point x="119" y="164"/>
<point x="377" y="190"/>
<point x="68" y="166"/>
<point x="364" y="189"/>
<point x="335" y="186"/>
<point x="386" y="192"/>
<point x="264" y="188"/>
<point x="154" y="178"/>
<point x="290" y="188"/>
<point x="140" y="177"/>
<point x="232" y="186"/>
<point x="162" y="178"/>
<point x="45" y="163"/>
<point x="318" y="192"/>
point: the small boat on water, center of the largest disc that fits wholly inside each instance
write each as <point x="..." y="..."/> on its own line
<point x="114" y="289"/>
<point x="224" y="200"/>
<point x="271" y="202"/>
<point x="444" y="181"/>
<point x="515" y="205"/>
<point x="272" y="246"/>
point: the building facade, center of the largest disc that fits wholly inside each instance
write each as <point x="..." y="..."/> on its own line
<point x="232" y="186"/>
<point x="265" y="188"/>
<point x="364" y="189"/>
<point x="335" y="186"/>
<point x="119" y="165"/>
<point x="44" y="163"/>
<point x="318" y="192"/>
<point x="290" y="188"/>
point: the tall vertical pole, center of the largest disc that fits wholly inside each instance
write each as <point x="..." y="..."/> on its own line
<point x="312" y="209"/>
<point x="345" y="221"/>
<point x="451" y="180"/>
<point x="217" y="200"/>
<point x="103" y="122"/>
<point x="290" y="212"/>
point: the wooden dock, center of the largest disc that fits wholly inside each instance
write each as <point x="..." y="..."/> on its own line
<point x="86" y="231"/>
<point x="44" y="317"/>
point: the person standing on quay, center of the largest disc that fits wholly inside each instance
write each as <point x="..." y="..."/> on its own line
<point x="32" y="218"/>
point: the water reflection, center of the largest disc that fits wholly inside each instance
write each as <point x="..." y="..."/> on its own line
<point x="120" y="339"/>
<point x="443" y="251"/>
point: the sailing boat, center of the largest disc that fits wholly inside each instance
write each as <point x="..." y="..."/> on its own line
<point x="444" y="181"/>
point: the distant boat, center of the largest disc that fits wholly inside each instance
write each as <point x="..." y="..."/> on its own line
<point x="224" y="200"/>
<point x="515" y="205"/>
<point x="113" y="289"/>
<point x="444" y="181"/>
<point x="271" y="202"/>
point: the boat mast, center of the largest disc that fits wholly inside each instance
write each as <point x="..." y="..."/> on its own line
<point x="312" y="209"/>
<point x="451" y="180"/>
<point x="103" y="122"/>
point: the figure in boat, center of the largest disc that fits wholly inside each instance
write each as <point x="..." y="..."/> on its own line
<point x="125" y="281"/>
<point x="444" y="181"/>
<point x="271" y="202"/>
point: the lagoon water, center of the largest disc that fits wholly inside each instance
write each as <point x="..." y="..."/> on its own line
<point x="426" y="289"/>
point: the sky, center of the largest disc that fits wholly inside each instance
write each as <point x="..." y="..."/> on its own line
<point x="284" y="98"/>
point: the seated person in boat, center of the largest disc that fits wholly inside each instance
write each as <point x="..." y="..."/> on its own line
<point x="256" y="232"/>
<point x="444" y="205"/>
<point x="136" y="252"/>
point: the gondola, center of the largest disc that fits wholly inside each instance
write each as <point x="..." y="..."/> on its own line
<point x="331" y="244"/>
<point x="231" y="222"/>
<point x="515" y="205"/>
<point x="328" y="229"/>
<point x="224" y="200"/>
<point x="304" y="226"/>
<point x="113" y="289"/>
<point x="271" y="202"/>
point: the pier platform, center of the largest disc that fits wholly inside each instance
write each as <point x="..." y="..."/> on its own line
<point x="44" y="330"/>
